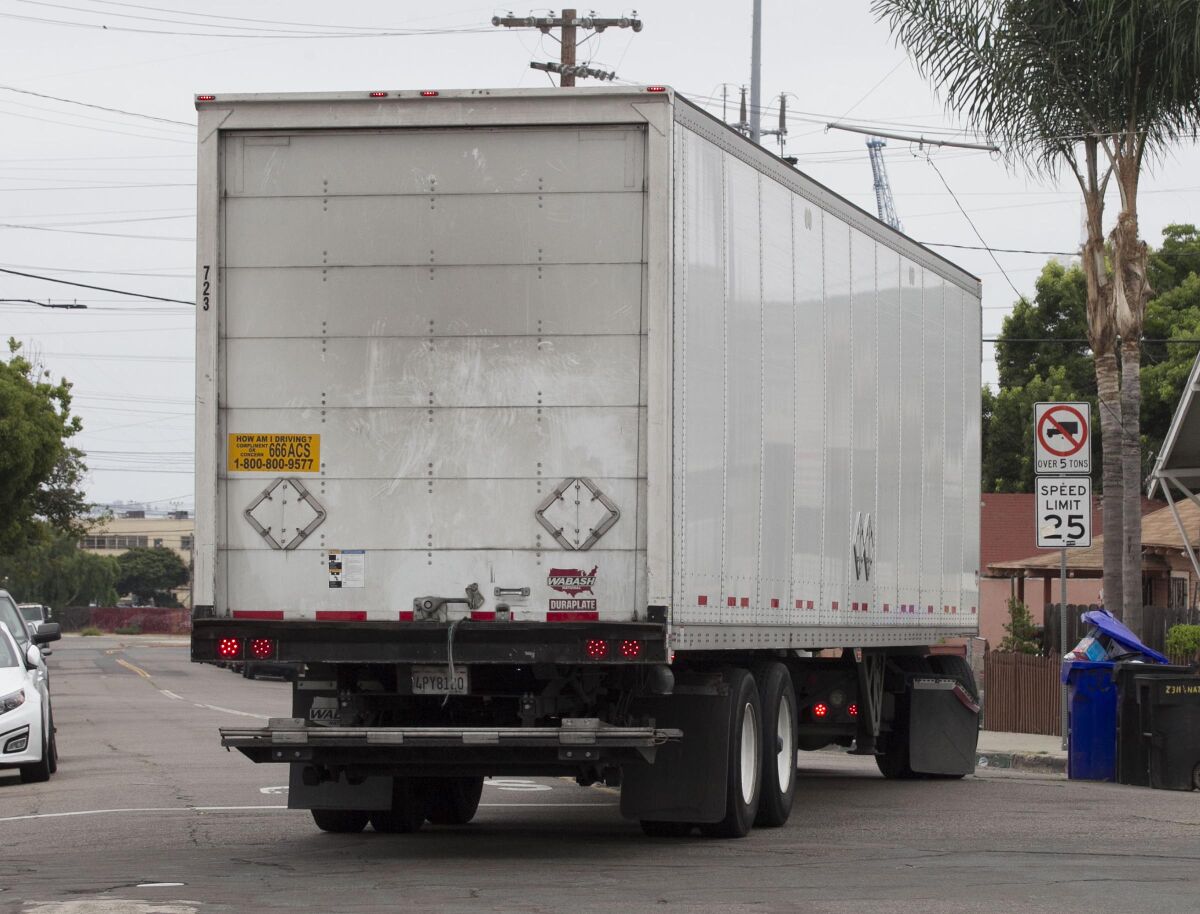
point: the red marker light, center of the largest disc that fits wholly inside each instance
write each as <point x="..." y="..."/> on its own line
<point x="206" y="98"/>
<point x="377" y="94"/>
<point x="820" y="710"/>
<point x="631" y="650"/>
<point x="596" y="649"/>
<point x="262" y="648"/>
<point x="656" y="88"/>
<point x="852" y="710"/>
<point x="429" y="93"/>
<point x="228" y="648"/>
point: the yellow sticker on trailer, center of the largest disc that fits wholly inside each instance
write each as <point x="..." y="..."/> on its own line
<point x="270" y="453"/>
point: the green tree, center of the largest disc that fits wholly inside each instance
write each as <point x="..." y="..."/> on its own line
<point x="51" y="568"/>
<point x="1093" y="86"/>
<point x="150" y="573"/>
<point x="1008" y="429"/>
<point x="1021" y="636"/>
<point x="39" y="473"/>
<point x="1055" y="324"/>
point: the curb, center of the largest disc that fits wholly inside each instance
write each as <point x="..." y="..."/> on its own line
<point x="1021" y="761"/>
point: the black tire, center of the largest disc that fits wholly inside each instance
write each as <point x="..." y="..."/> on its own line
<point x="745" y="765"/>
<point x="655" y="829"/>
<point x="410" y="807"/>
<point x="53" y="745"/>
<point x="454" y="801"/>
<point x="343" y="821"/>
<point x="39" y="771"/>
<point x="778" y="770"/>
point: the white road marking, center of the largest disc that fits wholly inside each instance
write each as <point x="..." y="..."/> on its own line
<point x="171" y="694"/>
<point x="101" y="812"/>
<point x="521" y="784"/>
<point x="273" y="790"/>
<point x="110" y="906"/>
<point x="158" y="885"/>
<point x="231" y="711"/>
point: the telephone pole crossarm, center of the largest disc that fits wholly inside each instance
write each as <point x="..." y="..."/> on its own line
<point x="568" y="25"/>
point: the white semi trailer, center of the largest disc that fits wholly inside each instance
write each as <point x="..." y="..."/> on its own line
<point x="569" y="432"/>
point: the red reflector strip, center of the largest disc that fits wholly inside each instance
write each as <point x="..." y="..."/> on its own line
<point x="573" y="616"/>
<point x="206" y="98"/>
<point x="810" y="605"/>
<point x="406" y="615"/>
<point x="799" y="604"/>
<point x="378" y="94"/>
<point x="702" y="600"/>
<point x="972" y="610"/>
<point x="886" y="607"/>
<point x="774" y="603"/>
<point x="731" y="601"/>
<point x="656" y="88"/>
<point x="341" y="615"/>
<point x="745" y="602"/>
<point x="483" y="615"/>
<point x="853" y="607"/>
<point x="931" y="609"/>
<point x="258" y="614"/>
<point x="428" y="93"/>
<point x="835" y="604"/>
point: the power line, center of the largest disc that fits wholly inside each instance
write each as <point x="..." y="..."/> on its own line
<point x="46" y="304"/>
<point x="159" y="9"/>
<point x="71" y="101"/>
<point x="978" y="247"/>
<point x="83" y="285"/>
<point x="48" y="228"/>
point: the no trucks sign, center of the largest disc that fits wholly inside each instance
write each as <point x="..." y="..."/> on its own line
<point x="1062" y="438"/>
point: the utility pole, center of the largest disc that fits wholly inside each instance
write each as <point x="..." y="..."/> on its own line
<point x="781" y="131"/>
<point x="569" y="24"/>
<point x="756" y="73"/>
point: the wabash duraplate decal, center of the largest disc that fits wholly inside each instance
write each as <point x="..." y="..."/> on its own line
<point x="572" y="582"/>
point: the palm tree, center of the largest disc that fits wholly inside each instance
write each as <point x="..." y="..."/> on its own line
<point x="1094" y="87"/>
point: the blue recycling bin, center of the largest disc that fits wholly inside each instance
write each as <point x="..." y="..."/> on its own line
<point x="1092" y="703"/>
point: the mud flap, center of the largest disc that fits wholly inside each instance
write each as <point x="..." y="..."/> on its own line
<point x="371" y="793"/>
<point x="686" y="783"/>
<point x="943" y="727"/>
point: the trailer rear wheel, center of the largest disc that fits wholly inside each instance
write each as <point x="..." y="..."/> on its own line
<point x="345" y="821"/>
<point x="410" y="806"/>
<point x="779" y="729"/>
<point x="454" y="801"/>
<point x="743" y="782"/>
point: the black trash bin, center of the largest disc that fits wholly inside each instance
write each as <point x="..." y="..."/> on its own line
<point x="1133" y="735"/>
<point x="1170" y="715"/>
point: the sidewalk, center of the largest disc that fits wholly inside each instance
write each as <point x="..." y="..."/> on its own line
<point x="1027" y="751"/>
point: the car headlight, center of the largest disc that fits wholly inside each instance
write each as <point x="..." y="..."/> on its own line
<point x="12" y="701"/>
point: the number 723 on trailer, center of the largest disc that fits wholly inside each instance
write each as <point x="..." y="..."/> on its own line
<point x="1064" y="511"/>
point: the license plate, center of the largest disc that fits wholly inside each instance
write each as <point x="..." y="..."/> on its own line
<point x="436" y="680"/>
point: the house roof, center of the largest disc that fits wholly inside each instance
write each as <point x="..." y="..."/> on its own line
<point x="1160" y="536"/>
<point x="1179" y="458"/>
<point x="1007" y="531"/>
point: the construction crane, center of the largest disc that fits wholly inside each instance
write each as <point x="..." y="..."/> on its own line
<point x="883" y="190"/>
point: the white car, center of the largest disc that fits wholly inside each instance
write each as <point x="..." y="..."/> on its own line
<point x="26" y="720"/>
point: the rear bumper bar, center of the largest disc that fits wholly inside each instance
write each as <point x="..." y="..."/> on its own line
<point x="578" y="741"/>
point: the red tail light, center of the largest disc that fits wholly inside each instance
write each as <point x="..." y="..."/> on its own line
<point x="820" y="710"/>
<point x="596" y="648"/>
<point x="631" y="650"/>
<point x="262" y="648"/>
<point x="229" y="648"/>
<point x="852" y="710"/>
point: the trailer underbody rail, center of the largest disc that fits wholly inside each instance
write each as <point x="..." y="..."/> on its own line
<point x="581" y="739"/>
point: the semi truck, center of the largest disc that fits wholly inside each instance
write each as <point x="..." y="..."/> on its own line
<point x="570" y="433"/>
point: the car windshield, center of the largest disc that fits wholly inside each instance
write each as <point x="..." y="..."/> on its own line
<point x="10" y="616"/>
<point x="32" y="613"/>
<point x="8" y="656"/>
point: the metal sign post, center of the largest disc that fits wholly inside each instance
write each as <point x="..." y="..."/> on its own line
<point x="1062" y="456"/>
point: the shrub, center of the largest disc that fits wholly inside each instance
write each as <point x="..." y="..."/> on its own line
<point x="1183" y="641"/>
<point x="90" y="631"/>
<point x="128" y="630"/>
<point x="1020" y="633"/>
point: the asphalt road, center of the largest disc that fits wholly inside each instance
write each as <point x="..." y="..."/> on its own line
<point x="148" y="815"/>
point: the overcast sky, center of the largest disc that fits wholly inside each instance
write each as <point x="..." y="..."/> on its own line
<point x="109" y="200"/>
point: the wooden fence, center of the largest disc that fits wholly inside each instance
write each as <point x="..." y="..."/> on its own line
<point x="1021" y="694"/>
<point x="1157" y="621"/>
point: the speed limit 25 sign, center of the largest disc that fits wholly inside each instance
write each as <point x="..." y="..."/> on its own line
<point x="1064" y="511"/>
